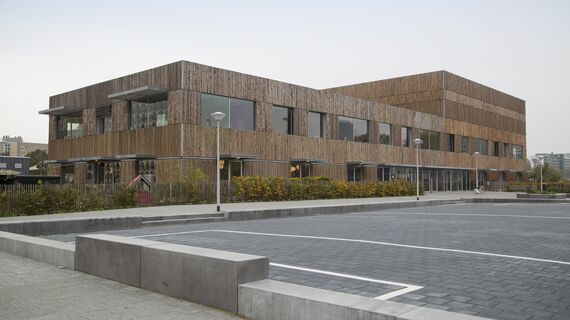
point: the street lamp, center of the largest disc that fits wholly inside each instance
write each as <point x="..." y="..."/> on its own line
<point x="218" y="116"/>
<point x="476" y="154"/>
<point x="541" y="159"/>
<point x="418" y="141"/>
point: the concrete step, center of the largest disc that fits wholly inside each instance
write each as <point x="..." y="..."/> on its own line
<point x="165" y="222"/>
<point x="184" y="216"/>
<point x="447" y="202"/>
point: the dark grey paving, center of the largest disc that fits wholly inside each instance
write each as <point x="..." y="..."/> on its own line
<point x="496" y="287"/>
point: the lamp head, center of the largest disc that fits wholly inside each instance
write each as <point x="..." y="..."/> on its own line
<point x="476" y="153"/>
<point x="418" y="141"/>
<point x="218" y="116"/>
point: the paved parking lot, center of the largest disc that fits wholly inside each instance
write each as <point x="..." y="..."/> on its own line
<point x="504" y="261"/>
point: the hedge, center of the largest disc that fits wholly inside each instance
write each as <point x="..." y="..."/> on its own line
<point x="282" y="189"/>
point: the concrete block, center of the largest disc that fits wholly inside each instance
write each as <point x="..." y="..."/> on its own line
<point x="44" y="250"/>
<point x="206" y="276"/>
<point x="110" y="257"/>
<point x="269" y="299"/>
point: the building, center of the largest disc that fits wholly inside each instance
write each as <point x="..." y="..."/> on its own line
<point x="20" y="165"/>
<point x="15" y="146"/>
<point x="157" y="122"/>
<point x="558" y="161"/>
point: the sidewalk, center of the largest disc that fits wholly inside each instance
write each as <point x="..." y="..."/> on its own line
<point x="35" y="290"/>
<point x="211" y="208"/>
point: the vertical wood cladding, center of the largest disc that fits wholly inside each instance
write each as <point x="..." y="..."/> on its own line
<point x="470" y="110"/>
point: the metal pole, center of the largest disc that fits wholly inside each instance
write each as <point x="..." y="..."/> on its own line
<point x="477" y="172"/>
<point x="541" y="175"/>
<point x="218" y="165"/>
<point x="417" y="171"/>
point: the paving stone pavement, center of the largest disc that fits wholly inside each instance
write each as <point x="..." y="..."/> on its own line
<point x="34" y="290"/>
<point x="489" y="286"/>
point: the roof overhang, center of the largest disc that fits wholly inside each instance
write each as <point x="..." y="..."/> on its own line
<point x="236" y="156"/>
<point x="308" y="160"/>
<point x="134" y="157"/>
<point x="61" y="110"/>
<point x="361" y="164"/>
<point x="141" y="93"/>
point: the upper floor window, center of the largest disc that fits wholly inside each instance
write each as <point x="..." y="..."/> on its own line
<point x="451" y="142"/>
<point x="405" y="136"/>
<point x="517" y="152"/>
<point x="495" y="148"/>
<point x="316" y="127"/>
<point x="282" y="120"/>
<point x="240" y="114"/>
<point x="465" y="144"/>
<point x="104" y="120"/>
<point x="352" y="129"/>
<point x="152" y="113"/>
<point x="385" y="130"/>
<point x="505" y="150"/>
<point x="69" y="126"/>
<point x="430" y="139"/>
<point x="481" y="146"/>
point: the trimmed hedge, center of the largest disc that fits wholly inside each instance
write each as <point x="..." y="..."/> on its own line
<point x="310" y="188"/>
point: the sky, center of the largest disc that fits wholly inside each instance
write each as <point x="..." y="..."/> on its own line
<point x="518" y="47"/>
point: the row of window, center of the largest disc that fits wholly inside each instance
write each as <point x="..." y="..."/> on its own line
<point x="240" y="114"/>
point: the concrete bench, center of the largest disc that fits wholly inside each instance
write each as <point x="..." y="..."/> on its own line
<point x="206" y="276"/>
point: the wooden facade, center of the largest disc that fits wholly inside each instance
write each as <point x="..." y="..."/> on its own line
<point x="438" y="101"/>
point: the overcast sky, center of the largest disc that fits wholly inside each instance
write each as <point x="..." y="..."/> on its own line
<point x="518" y="47"/>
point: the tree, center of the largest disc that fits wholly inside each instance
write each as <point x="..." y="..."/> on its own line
<point x="37" y="158"/>
<point x="549" y="174"/>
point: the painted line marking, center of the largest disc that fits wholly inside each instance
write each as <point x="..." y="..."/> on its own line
<point x="391" y="244"/>
<point x="407" y="287"/>
<point x="459" y="214"/>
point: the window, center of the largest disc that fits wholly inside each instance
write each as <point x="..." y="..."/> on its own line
<point x="505" y="150"/>
<point x="147" y="168"/>
<point x="354" y="173"/>
<point x="148" y="114"/>
<point x="352" y="129"/>
<point x="451" y="142"/>
<point x="240" y="114"/>
<point x="300" y="169"/>
<point x="517" y="152"/>
<point x="406" y="136"/>
<point x="481" y="146"/>
<point x="68" y="173"/>
<point x="230" y="169"/>
<point x="465" y="144"/>
<point x="384" y="174"/>
<point x="104" y="121"/>
<point x="282" y="120"/>
<point x="70" y="126"/>
<point x="495" y="148"/>
<point x="3" y="165"/>
<point x="430" y="139"/>
<point x="385" y="130"/>
<point x="316" y="128"/>
<point x="17" y="166"/>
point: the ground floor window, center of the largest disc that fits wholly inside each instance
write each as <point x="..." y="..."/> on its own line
<point x="147" y="168"/>
<point x="354" y="173"/>
<point x="103" y="172"/>
<point x="300" y="169"/>
<point x="230" y="169"/>
<point x="68" y="173"/>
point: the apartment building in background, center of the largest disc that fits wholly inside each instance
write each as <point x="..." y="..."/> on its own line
<point x="16" y="147"/>
<point x="158" y="123"/>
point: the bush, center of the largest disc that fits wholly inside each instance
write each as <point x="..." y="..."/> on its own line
<point x="310" y="188"/>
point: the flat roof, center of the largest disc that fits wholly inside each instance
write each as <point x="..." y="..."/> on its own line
<point x="61" y="110"/>
<point x="138" y="93"/>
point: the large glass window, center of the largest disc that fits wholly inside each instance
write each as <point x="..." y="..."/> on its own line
<point x="240" y="114"/>
<point x="465" y="144"/>
<point x="517" y="152"/>
<point x="152" y="113"/>
<point x="352" y="129"/>
<point x="230" y="169"/>
<point x="385" y="130"/>
<point x="282" y="120"/>
<point x="405" y="136"/>
<point x="316" y="128"/>
<point x="481" y="146"/>
<point x="430" y="139"/>
<point x="104" y="120"/>
<point x="70" y="126"/>
<point x="300" y="169"/>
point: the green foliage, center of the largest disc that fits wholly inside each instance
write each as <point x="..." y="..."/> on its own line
<point x="310" y="188"/>
<point x="37" y="158"/>
<point x="549" y="174"/>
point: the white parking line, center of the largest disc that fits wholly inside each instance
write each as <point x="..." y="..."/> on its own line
<point x="368" y="242"/>
<point x="459" y="214"/>
<point x="407" y="287"/>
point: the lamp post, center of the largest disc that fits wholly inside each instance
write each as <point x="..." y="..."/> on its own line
<point x="541" y="159"/>
<point x="218" y="116"/>
<point x="418" y="141"/>
<point x="476" y="154"/>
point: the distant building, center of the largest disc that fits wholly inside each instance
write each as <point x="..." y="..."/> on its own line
<point x="18" y="164"/>
<point x="15" y="146"/>
<point x="558" y="161"/>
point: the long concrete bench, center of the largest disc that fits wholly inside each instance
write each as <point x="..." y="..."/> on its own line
<point x="44" y="250"/>
<point x="276" y="300"/>
<point x="206" y="276"/>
